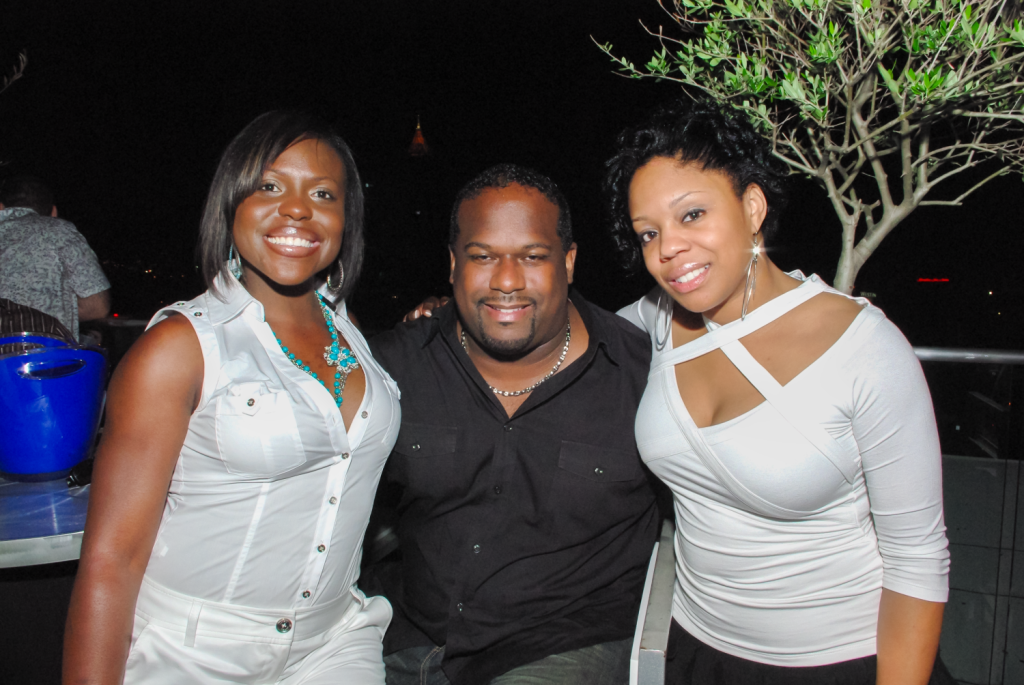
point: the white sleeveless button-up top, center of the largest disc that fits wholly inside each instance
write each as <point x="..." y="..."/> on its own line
<point x="270" y="497"/>
<point x="792" y="517"/>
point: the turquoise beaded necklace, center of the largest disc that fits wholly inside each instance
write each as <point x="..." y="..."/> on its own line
<point x="335" y="356"/>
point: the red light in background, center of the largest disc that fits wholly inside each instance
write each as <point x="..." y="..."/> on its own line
<point x="933" y="280"/>
<point x="115" y="316"/>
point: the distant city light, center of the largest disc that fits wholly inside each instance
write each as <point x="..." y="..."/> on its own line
<point x="934" y="280"/>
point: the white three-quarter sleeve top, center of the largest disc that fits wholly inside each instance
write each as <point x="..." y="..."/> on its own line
<point x="791" y="518"/>
<point x="270" y="497"/>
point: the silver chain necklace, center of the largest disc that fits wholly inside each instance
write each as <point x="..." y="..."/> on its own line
<point x="552" y="372"/>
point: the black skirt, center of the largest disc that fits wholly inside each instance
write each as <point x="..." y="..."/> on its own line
<point x="691" y="662"/>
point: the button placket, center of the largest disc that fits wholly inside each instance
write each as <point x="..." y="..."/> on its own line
<point x="324" y="531"/>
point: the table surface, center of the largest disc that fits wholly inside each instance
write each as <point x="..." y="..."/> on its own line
<point x="40" y="523"/>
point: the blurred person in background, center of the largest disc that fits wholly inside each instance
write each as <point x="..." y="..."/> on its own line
<point x="45" y="263"/>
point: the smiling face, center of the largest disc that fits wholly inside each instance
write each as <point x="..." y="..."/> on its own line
<point x="695" y="232"/>
<point x="291" y="228"/>
<point x="509" y="275"/>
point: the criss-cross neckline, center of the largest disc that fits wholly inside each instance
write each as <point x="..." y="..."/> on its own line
<point x="732" y="333"/>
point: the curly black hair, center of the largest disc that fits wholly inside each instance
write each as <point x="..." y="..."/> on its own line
<point x="503" y="175"/>
<point x="715" y="136"/>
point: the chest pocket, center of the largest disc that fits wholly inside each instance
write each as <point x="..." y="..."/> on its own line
<point x="424" y="458"/>
<point x="427" y="442"/>
<point x="598" y="464"/>
<point x="256" y="430"/>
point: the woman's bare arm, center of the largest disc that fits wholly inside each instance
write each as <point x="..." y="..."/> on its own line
<point x="152" y="395"/>
<point x="908" y="638"/>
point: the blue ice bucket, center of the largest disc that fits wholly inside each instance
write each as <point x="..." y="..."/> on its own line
<point x="50" y="403"/>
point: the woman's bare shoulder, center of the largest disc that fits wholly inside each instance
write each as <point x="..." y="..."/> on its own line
<point x="174" y="335"/>
<point x="167" y="356"/>
<point x="790" y="344"/>
<point x="834" y="311"/>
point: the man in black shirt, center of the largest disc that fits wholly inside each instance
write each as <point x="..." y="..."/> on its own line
<point x="526" y="518"/>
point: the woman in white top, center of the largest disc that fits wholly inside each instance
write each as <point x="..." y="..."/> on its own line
<point x="246" y="432"/>
<point x="792" y="423"/>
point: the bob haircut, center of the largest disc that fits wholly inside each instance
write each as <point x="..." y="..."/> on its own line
<point x="717" y="138"/>
<point x="238" y="176"/>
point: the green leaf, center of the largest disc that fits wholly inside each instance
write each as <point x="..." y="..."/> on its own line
<point x="736" y="10"/>
<point x="890" y="82"/>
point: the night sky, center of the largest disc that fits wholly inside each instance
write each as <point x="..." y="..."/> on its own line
<point x="125" y="108"/>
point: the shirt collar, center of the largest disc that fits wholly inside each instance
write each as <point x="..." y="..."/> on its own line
<point x="229" y="299"/>
<point x="16" y="213"/>
<point x="443" y="322"/>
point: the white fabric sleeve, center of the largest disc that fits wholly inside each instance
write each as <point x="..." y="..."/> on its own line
<point x="894" y="426"/>
<point x="643" y="312"/>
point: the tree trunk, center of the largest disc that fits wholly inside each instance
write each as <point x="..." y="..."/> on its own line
<point x="849" y="266"/>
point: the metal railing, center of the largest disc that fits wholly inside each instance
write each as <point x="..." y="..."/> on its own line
<point x="969" y="356"/>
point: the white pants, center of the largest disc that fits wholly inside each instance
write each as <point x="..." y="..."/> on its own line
<point x="179" y="639"/>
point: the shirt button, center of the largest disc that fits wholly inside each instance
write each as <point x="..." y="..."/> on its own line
<point x="365" y="414"/>
<point x="508" y="428"/>
<point x="599" y="470"/>
<point x="320" y="548"/>
<point x="497" y="489"/>
<point x="476" y="549"/>
<point x="345" y="455"/>
<point x="284" y="625"/>
<point x="333" y="500"/>
<point x="197" y="313"/>
<point x="305" y="595"/>
<point x="459" y="606"/>
<point x="415" y="448"/>
<point x="250" y="402"/>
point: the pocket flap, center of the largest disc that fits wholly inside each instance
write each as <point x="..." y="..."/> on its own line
<point x="598" y="463"/>
<point x="426" y="440"/>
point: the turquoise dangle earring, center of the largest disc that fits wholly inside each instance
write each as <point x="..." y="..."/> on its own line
<point x="234" y="262"/>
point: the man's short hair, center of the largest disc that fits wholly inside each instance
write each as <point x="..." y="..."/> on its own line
<point x="504" y="175"/>
<point x="27" y="191"/>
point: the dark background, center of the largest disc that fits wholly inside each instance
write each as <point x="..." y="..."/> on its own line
<point x="125" y="108"/>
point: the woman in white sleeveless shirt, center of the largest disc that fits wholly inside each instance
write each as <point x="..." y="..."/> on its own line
<point x="246" y="432"/>
<point x="792" y="423"/>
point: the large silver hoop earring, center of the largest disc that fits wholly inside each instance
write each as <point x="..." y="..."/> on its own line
<point x="335" y="288"/>
<point x="662" y="321"/>
<point x="234" y="262"/>
<point x="748" y="291"/>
